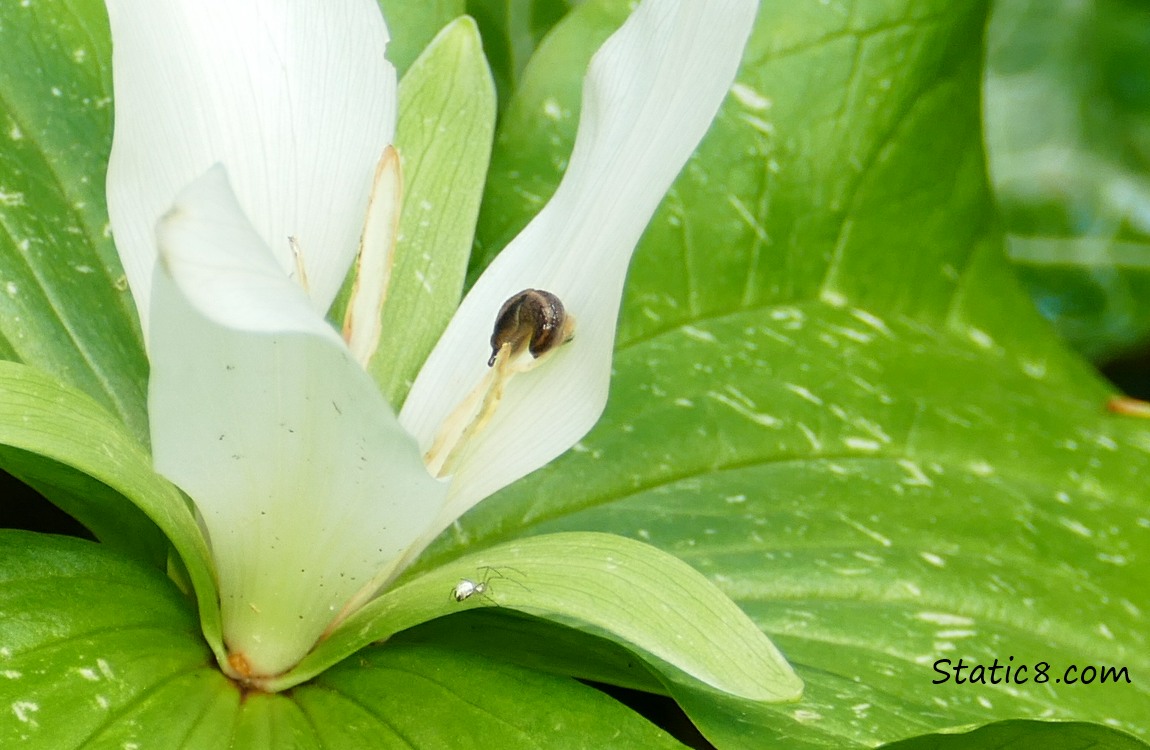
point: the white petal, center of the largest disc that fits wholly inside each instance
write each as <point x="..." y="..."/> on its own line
<point x="306" y="483"/>
<point x="650" y="94"/>
<point x="294" y="97"/>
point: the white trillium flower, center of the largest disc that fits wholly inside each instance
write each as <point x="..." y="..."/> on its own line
<point x="241" y="125"/>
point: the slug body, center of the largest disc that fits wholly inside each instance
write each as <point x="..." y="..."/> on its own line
<point x="534" y="319"/>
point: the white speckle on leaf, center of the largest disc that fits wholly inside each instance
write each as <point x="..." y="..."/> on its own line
<point x="936" y="560"/>
<point x="792" y="315"/>
<point x="748" y="217"/>
<point x="11" y="199"/>
<point x="984" y="702"/>
<point x="12" y="674"/>
<point x="876" y="536"/>
<point x="750" y="98"/>
<point x="862" y="444"/>
<point x="803" y="393"/>
<point x="551" y="109"/>
<point x="734" y="499"/>
<point x="24" y="711"/>
<point x="1036" y="370"/>
<point x="916" y="476"/>
<point x="872" y="321"/>
<point x="699" y="334"/>
<point x="980" y="468"/>
<point x="981" y="338"/>
<point x="853" y="334"/>
<point x="944" y="618"/>
<point x="833" y="298"/>
<point x="423" y="282"/>
<point x="1075" y="526"/>
<point x="759" y="418"/>
<point x="88" y="674"/>
<point x="812" y="438"/>
<point x="1104" y="631"/>
<point x="758" y="124"/>
<point x="956" y="633"/>
<point x="806" y="716"/>
<point x="12" y="288"/>
<point x="1105" y="441"/>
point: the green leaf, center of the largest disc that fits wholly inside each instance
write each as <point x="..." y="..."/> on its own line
<point x="609" y="586"/>
<point x="413" y="25"/>
<point x="832" y="397"/>
<point x="1021" y="735"/>
<point x="53" y="434"/>
<point x="98" y="651"/>
<point x="64" y="305"/>
<point x="446" y="124"/>
<point x="511" y="30"/>
<point x="406" y="696"/>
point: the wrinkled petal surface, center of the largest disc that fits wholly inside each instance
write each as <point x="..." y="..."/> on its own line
<point x="293" y="97"/>
<point x="649" y="96"/>
<point x="307" y="485"/>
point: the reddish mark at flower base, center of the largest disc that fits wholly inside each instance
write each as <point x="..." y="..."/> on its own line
<point x="1129" y="407"/>
<point x="241" y="669"/>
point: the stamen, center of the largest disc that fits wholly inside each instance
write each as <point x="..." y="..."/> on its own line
<point x="529" y="325"/>
<point x="362" y="324"/>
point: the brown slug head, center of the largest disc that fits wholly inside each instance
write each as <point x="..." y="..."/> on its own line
<point x="533" y="319"/>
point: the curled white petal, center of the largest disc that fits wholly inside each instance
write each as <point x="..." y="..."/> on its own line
<point x="305" y="481"/>
<point x="294" y="97"/>
<point x="649" y="96"/>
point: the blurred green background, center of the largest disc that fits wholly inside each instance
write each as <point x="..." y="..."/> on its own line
<point x="1067" y="113"/>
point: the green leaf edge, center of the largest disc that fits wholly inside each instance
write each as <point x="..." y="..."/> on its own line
<point x="55" y="421"/>
<point x="596" y="583"/>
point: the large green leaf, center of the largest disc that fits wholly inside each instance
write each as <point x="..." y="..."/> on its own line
<point x="832" y="397"/>
<point x="99" y="652"/>
<point x="64" y="304"/>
